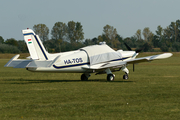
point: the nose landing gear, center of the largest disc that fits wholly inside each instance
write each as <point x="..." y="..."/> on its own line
<point x="125" y="76"/>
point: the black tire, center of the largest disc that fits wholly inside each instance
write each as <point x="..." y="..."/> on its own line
<point x="110" y="77"/>
<point x="125" y="76"/>
<point x="83" y="77"/>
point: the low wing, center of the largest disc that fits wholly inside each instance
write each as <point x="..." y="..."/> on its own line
<point x="119" y="64"/>
<point x="149" y="58"/>
<point x="106" y="65"/>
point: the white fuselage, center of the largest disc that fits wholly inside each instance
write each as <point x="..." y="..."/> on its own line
<point x="75" y="61"/>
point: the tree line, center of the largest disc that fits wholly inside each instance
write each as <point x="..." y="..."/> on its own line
<point x="70" y="36"/>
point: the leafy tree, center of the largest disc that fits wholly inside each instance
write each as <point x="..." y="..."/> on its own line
<point x="167" y="37"/>
<point x="95" y="41"/>
<point x="75" y="32"/>
<point x="101" y="38"/>
<point x="178" y="27"/>
<point x="129" y="42"/>
<point x="120" y="44"/>
<point x="147" y="47"/>
<point x="42" y="30"/>
<point x="146" y="33"/>
<point x="164" y="47"/>
<point x="176" y="47"/>
<point x="173" y="27"/>
<point x="22" y="46"/>
<point x="1" y="40"/>
<point x="159" y="32"/>
<point x="79" y="32"/>
<point x="138" y="34"/>
<point x="140" y="44"/>
<point x="155" y="41"/>
<point x="88" y="42"/>
<point x="91" y="42"/>
<point x="110" y="33"/>
<point x="59" y="31"/>
<point x="12" y="42"/>
<point x="151" y="37"/>
<point x="5" y="48"/>
<point x="50" y="45"/>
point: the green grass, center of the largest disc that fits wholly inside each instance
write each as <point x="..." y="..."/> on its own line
<point x="152" y="92"/>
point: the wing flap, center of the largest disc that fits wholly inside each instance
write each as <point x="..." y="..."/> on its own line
<point x="106" y="65"/>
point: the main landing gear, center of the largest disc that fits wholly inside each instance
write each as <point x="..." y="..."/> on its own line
<point x="110" y="76"/>
<point x="85" y="76"/>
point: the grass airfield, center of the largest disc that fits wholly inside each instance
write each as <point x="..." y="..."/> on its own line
<point x="151" y="92"/>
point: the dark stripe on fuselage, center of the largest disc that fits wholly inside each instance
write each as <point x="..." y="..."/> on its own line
<point x="75" y="65"/>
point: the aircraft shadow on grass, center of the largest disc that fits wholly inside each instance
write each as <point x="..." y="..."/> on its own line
<point x="25" y="81"/>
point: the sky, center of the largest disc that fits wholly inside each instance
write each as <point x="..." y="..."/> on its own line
<point x="127" y="16"/>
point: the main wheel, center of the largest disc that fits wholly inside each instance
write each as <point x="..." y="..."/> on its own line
<point x="125" y="76"/>
<point x="83" y="77"/>
<point x="110" y="77"/>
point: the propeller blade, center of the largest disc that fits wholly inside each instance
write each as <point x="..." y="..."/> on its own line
<point x="139" y="50"/>
<point x="127" y="46"/>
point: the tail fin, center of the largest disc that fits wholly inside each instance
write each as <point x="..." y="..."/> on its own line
<point x="35" y="46"/>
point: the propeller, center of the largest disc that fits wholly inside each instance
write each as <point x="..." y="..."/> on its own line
<point x="137" y="51"/>
<point x="127" y="46"/>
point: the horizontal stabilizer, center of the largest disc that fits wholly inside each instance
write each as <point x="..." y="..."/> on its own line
<point x="42" y="63"/>
<point x="17" y="63"/>
<point x="39" y="63"/>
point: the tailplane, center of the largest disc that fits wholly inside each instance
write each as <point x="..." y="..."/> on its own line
<point x="35" y="46"/>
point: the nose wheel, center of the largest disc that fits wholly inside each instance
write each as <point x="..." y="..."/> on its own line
<point x="125" y="76"/>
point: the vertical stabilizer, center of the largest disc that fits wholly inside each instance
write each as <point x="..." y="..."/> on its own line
<point x="35" y="46"/>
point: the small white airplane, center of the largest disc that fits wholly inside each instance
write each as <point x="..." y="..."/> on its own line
<point x="97" y="59"/>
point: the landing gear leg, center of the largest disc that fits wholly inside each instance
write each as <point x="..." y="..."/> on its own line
<point x="110" y="76"/>
<point x="125" y="76"/>
<point x="85" y="76"/>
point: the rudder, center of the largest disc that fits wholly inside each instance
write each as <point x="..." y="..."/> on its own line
<point x="35" y="46"/>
